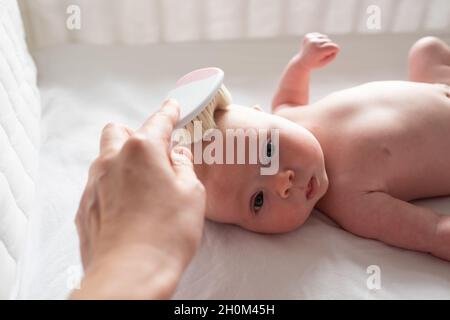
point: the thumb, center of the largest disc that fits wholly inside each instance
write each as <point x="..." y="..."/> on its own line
<point x="182" y="163"/>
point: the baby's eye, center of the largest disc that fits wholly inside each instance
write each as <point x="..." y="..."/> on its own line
<point x="258" y="201"/>
<point x="269" y="149"/>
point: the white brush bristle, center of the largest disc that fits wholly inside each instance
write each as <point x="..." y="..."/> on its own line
<point x="220" y="101"/>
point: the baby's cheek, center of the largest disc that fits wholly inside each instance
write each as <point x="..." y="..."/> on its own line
<point x="285" y="220"/>
<point x="299" y="216"/>
<point x="215" y="210"/>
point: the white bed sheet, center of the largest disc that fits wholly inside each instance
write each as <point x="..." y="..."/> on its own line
<point x="84" y="87"/>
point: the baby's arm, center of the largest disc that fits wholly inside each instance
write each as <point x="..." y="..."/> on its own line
<point x="377" y="215"/>
<point x="317" y="51"/>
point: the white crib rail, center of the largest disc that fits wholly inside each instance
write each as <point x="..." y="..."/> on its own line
<point x="150" y="21"/>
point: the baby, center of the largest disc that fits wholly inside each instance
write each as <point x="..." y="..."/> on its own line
<point x="358" y="155"/>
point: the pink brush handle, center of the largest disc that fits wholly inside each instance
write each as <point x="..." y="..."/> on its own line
<point x="196" y="75"/>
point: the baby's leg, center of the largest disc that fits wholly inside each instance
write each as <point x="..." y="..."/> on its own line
<point x="429" y="61"/>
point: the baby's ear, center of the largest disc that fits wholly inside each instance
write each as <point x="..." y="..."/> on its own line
<point x="257" y="107"/>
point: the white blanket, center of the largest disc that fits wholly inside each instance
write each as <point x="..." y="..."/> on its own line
<point x="83" y="88"/>
<point x="19" y="137"/>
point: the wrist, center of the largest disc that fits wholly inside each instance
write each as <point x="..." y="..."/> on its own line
<point x="301" y="63"/>
<point x="134" y="273"/>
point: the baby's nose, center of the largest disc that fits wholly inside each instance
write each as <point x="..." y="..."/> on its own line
<point x="284" y="181"/>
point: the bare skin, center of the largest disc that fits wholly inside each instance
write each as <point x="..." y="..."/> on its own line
<point x="133" y="243"/>
<point x="386" y="143"/>
<point x="373" y="148"/>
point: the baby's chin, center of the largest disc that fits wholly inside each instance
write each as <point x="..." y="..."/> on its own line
<point x="280" y="227"/>
<point x="274" y="229"/>
<point x="323" y="185"/>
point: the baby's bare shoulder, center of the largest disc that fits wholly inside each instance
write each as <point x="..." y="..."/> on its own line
<point x="351" y="209"/>
<point x="346" y="201"/>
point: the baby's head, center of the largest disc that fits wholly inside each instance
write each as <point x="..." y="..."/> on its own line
<point x="240" y="194"/>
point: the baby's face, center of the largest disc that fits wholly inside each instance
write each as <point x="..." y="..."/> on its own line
<point x="239" y="194"/>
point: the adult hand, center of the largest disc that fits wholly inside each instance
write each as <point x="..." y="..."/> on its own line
<point x="141" y="216"/>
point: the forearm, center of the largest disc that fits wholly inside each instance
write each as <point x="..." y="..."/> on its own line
<point x="294" y="84"/>
<point x="134" y="273"/>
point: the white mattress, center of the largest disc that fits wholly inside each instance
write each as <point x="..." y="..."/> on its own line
<point x="19" y="141"/>
<point x="84" y="87"/>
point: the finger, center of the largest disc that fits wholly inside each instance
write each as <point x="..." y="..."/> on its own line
<point x="159" y="126"/>
<point x="320" y="42"/>
<point x="329" y="57"/>
<point x="320" y="36"/>
<point x="113" y="137"/>
<point x="329" y="49"/>
<point x="330" y="46"/>
<point x="316" y="36"/>
<point x="182" y="163"/>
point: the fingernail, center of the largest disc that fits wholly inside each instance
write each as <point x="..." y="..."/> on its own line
<point x="180" y="159"/>
<point x="170" y="102"/>
<point x="182" y="154"/>
<point x="183" y="151"/>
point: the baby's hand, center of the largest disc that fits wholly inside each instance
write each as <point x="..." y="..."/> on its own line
<point x="317" y="50"/>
